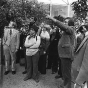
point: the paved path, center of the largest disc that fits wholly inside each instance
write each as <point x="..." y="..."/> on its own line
<point x="16" y="81"/>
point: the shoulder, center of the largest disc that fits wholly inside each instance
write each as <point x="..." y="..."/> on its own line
<point x="6" y="28"/>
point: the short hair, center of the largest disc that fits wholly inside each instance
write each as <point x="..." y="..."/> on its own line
<point x="35" y="28"/>
<point x="71" y="22"/>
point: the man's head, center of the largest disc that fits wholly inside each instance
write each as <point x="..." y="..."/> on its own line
<point x="69" y="22"/>
<point x="12" y="24"/>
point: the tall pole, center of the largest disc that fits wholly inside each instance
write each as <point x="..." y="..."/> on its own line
<point x="50" y="8"/>
<point x="68" y="10"/>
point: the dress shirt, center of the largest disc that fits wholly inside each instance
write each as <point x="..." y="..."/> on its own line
<point x="45" y="34"/>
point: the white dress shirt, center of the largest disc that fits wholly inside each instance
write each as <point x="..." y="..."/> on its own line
<point x="45" y="34"/>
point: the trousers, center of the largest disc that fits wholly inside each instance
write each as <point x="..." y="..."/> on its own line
<point x="42" y="64"/>
<point x="66" y="71"/>
<point x="8" y="53"/>
<point x="32" y="66"/>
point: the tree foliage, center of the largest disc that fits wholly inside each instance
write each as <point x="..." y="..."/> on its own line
<point x="80" y="8"/>
<point x="20" y="11"/>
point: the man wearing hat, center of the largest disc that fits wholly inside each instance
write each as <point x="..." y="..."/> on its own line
<point x="10" y="46"/>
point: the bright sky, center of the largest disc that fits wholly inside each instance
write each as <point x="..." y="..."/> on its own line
<point x="57" y="1"/>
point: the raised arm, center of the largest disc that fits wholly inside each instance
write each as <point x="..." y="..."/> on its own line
<point x="61" y="25"/>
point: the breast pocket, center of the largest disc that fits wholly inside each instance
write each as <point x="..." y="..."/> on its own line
<point x="66" y="48"/>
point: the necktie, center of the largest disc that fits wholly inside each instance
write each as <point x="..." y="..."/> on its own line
<point x="10" y="32"/>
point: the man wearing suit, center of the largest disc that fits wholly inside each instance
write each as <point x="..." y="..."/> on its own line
<point x="66" y="47"/>
<point x="10" y="46"/>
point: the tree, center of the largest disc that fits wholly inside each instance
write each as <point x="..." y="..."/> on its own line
<point x="20" y="11"/>
<point x="3" y="21"/>
<point x="26" y="9"/>
<point x="80" y="8"/>
<point x="3" y="2"/>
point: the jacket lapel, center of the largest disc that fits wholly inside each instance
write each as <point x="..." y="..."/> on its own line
<point x="84" y="40"/>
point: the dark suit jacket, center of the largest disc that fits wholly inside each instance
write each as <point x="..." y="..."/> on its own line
<point x="66" y="44"/>
<point x="53" y="50"/>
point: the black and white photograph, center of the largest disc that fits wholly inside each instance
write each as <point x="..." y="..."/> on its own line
<point x="43" y="44"/>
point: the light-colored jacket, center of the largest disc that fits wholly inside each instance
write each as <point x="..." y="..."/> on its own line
<point x="32" y="45"/>
<point x="12" y="41"/>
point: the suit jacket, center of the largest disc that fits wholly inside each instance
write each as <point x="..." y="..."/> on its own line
<point x="67" y="42"/>
<point x="11" y="41"/>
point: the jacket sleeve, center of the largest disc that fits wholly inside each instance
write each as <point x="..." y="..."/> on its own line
<point x="18" y="40"/>
<point x="37" y="44"/>
<point x="64" y="27"/>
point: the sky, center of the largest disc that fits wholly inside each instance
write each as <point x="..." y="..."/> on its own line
<point x="57" y="1"/>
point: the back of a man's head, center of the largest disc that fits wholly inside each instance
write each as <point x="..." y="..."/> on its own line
<point x="71" y="22"/>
